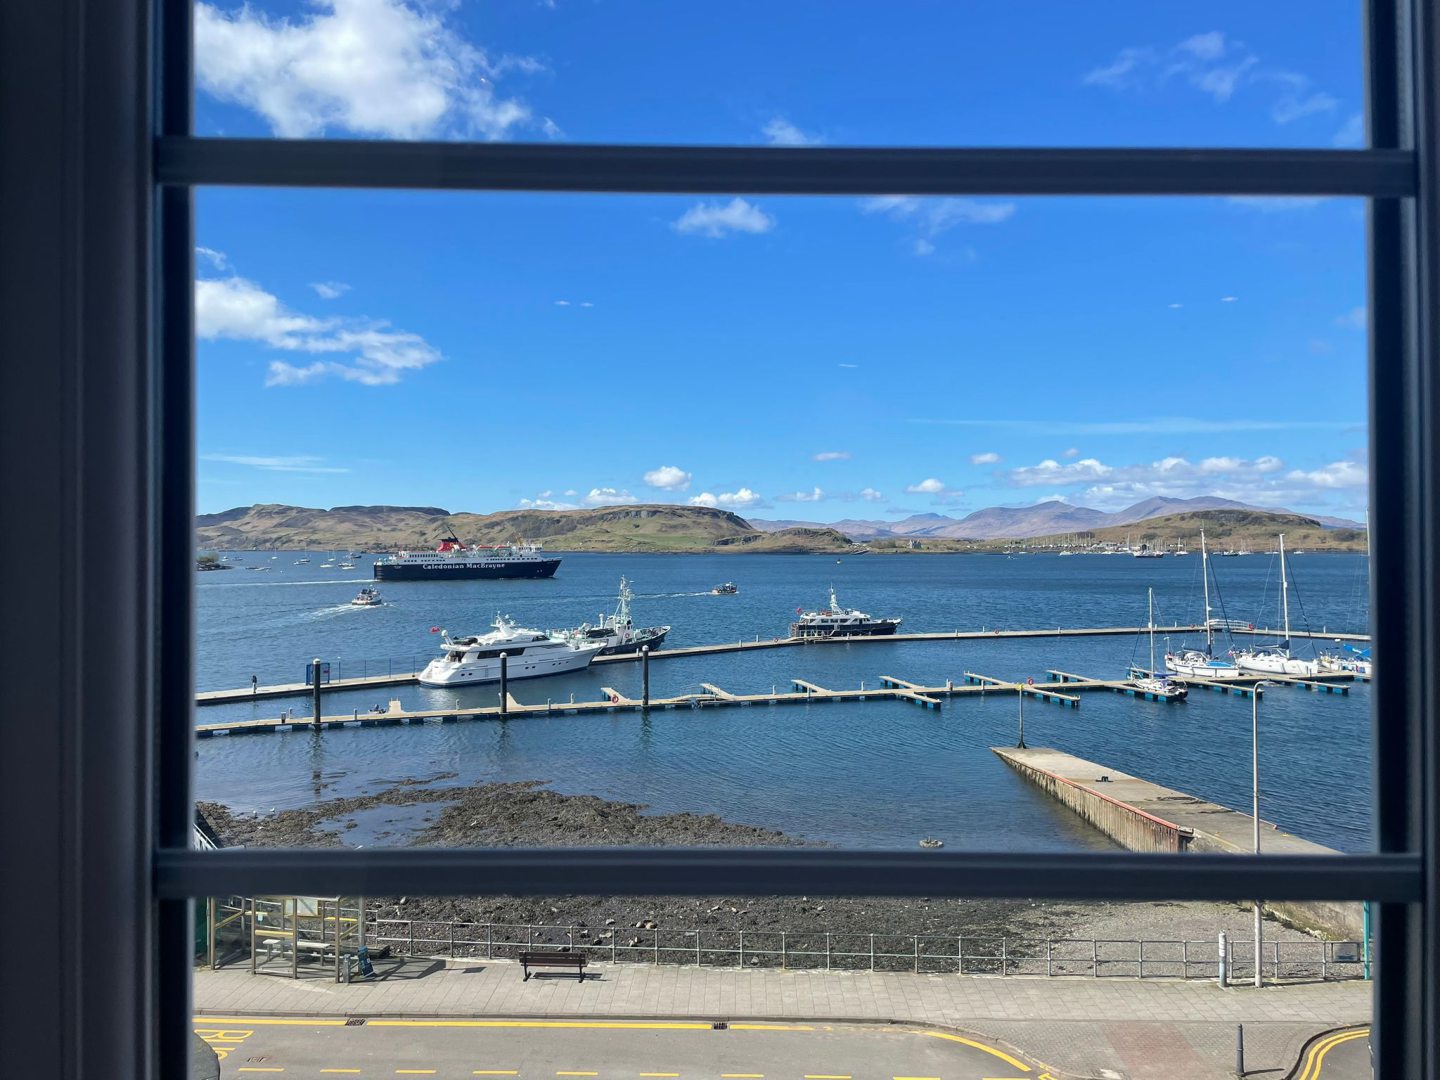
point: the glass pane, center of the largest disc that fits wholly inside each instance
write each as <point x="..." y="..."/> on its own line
<point x="1033" y="73"/>
<point x="969" y="416"/>
<point x="774" y="987"/>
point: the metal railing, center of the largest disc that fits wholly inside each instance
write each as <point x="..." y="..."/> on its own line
<point x="1307" y="959"/>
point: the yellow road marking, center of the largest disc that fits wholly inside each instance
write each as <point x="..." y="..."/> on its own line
<point x="771" y="1027"/>
<point x="244" y="1069"/>
<point x="659" y="1074"/>
<point x="576" y="1074"/>
<point x="626" y="1025"/>
<point x="1315" y="1059"/>
<point x="415" y="1072"/>
<point x="272" y="1021"/>
<point x="339" y="1070"/>
<point x="496" y="1072"/>
<point x="827" y="1076"/>
<point x="979" y="1046"/>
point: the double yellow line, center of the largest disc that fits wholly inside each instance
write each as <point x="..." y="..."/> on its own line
<point x="1315" y="1058"/>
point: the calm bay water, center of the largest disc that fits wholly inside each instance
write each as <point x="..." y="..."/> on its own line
<point x="869" y="774"/>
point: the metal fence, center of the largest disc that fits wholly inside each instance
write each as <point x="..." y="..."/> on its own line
<point x="1306" y="959"/>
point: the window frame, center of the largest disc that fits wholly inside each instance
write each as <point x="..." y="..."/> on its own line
<point x="110" y="176"/>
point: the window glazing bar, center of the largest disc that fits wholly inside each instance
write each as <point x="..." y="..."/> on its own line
<point x="337" y="163"/>
<point x="698" y="872"/>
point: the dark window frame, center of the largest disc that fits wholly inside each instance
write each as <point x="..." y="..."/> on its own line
<point x="105" y="229"/>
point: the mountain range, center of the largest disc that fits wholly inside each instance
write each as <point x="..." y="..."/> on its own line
<point x="1042" y="519"/>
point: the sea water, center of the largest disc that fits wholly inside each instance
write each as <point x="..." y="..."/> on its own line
<point x="880" y="773"/>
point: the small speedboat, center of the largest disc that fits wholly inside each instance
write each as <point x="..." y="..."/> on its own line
<point x="366" y="597"/>
<point x="729" y="588"/>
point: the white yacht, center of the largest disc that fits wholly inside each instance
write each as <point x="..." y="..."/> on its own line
<point x="1276" y="659"/>
<point x="1154" y="684"/>
<point x="1198" y="663"/>
<point x="529" y="654"/>
<point x="836" y="621"/>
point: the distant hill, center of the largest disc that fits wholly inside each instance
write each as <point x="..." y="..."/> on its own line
<point x="1041" y="519"/>
<point x="1255" y="530"/>
<point x="610" y="528"/>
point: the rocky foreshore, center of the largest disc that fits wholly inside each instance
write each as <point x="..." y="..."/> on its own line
<point x="528" y="814"/>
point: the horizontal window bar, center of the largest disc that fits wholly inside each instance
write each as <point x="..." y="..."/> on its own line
<point x="781" y="170"/>
<point x="710" y="871"/>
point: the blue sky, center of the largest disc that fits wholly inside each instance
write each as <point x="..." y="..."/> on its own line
<point x="814" y="358"/>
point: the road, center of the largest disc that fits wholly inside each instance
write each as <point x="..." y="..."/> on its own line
<point x="330" y="1049"/>
<point x="1341" y="1055"/>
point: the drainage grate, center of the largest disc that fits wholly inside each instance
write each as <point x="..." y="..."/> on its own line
<point x="354" y="1021"/>
<point x="719" y="1025"/>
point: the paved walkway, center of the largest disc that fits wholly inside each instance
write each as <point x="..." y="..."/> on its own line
<point x="1085" y="1027"/>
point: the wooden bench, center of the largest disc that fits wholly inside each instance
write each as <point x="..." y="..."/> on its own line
<point x="530" y="960"/>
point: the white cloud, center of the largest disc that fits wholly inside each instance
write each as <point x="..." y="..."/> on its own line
<point x="871" y="495"/>
<point x="781" y="132"/>
<point x="1228" y="299"/>
<point x="729" y="500"/>
<point x="1216" y="66"/>
<point x="668" y="478"/>
<point x="849" y="365"/>
<point x="1072" y="452"/>
<point x="608" y="496"/>
<point x="931" y="217"/>
<point x="832" y="455"/>
<point x="924" y="247"/>
<point x="803" y="496"/>
<point x="330" y="290"/>
<point x="370" y="67"/>
<point x="375" y="355"/>
<point x="562" y="303"/>
<point x="1352" y="134"/>
<point x="718" y="219"/>
<point x="1160" y="425"/>
<point x="214" y="258"/>
<point x="931" y="486"/>
<point x="544" y="502"/>
<point x="1262" y="481"/>
<point x="1356" y="318"/>
<point x="571" y="492"/>
<point x="586" y="303"/>
<point x="988" y="458"/>
<point x="1176" y="307"/>
<point x="1273" y="204"/>
<point x="294" y="464"/>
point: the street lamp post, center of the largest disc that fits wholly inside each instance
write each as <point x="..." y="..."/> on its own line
<point x="1020" y="693"/>
<point x="1255" y="807"/>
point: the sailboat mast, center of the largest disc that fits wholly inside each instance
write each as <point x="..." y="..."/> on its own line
<point x="1284" y="591"/>
<point x="1152" y="630"/>
<point x="1205" y="577"/>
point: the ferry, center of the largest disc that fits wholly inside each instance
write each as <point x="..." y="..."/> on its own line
<point x="617" y="633"/>
<point x="529" y="654"/>
<point x="453" y="559"/>
<point x="836" y="621"/>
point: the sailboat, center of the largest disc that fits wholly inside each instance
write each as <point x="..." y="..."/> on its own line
<point x="1194" y="662"/>
<point x="1276" y="659"/>
<point x="1154" y="685"/>
<point x="1348" y="657"/>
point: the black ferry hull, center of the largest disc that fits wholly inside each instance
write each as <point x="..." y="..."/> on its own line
<point x="462" y="569"/>
<point x="634" y="646"/>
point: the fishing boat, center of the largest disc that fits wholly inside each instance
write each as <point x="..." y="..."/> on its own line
<point x="617" y="634"/>
<point x="728" y="588"/>
<point x="836" y="621"/>
<point x="1152" y="684"/>
<point x="366" y="597"/>
<point x="529" y="654"/>
<point x="1276" y="659"/>
<point x="1197" y="663"/>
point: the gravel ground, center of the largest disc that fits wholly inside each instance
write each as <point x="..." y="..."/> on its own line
<point x="528" y="814"/>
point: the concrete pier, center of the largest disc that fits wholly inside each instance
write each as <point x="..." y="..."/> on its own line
<point x="1143" y="816"/>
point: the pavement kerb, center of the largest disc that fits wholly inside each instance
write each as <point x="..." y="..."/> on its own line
<point x="1311" y="1041"/>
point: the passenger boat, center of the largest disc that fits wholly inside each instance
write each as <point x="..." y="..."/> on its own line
<point x="836" y="621"/>
<point x="617" y="633"/>
<point x="729" y="588"/>
<point x="1276" y="659"/>
<point x="529" y="654"/>
<point x="367" y="597"/>
<point x="452" y="559"/>
<point x="1197" y="663"/>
